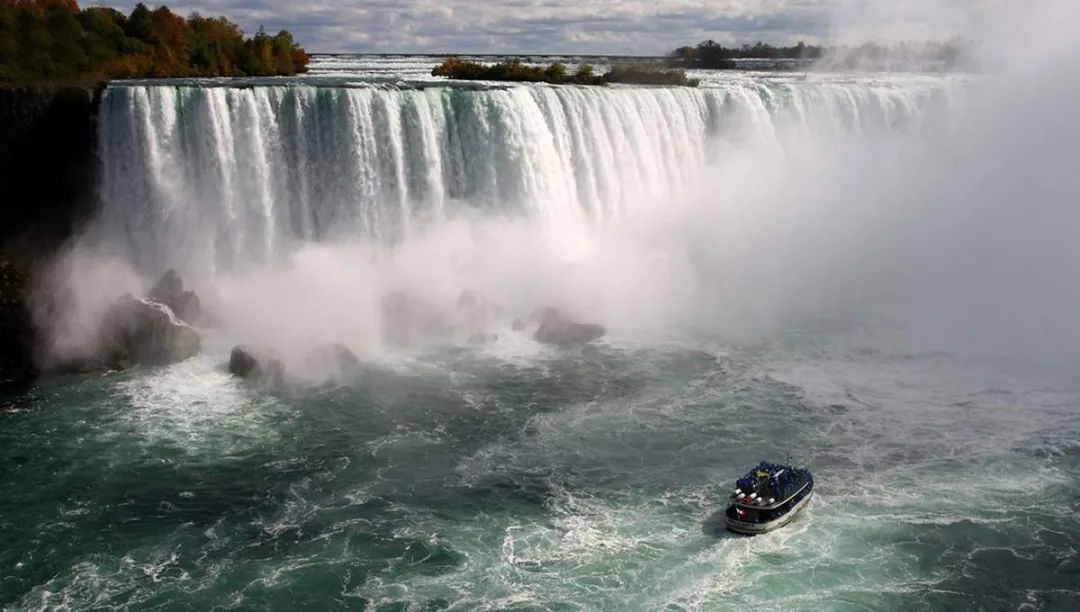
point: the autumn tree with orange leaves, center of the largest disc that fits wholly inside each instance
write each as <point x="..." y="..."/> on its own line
<point x="54" y="41"/>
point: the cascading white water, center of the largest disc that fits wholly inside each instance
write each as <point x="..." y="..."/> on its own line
<point x="209" y="178"/>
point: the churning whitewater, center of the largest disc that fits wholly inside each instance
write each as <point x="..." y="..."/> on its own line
<point x="765" y="252"/>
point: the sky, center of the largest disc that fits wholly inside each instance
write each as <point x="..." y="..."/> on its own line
<point x="629" y="27"/>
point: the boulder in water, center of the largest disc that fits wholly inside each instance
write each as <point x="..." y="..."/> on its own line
<point x="566" y="332"/>
<point x="184" y="304"/>
<point x="265" y="366"/>
<point x="331" y="358"/>
<point x="557" y="328"/>
<point x="257" y="363"/>
<point x="142" y="332"/>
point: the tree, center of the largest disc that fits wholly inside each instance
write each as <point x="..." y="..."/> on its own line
<point x="171" y="53"/>
<point x="555" y="73"/>
<point x="139" y="24"/>
<point x="33" y="60"/>
<point x="44" y="40"/>
<point x="282" y="49"/>
<point x="66" y="40"/>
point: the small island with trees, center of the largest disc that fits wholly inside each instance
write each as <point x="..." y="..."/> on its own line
<point x="944" y="55"/>
<point x="515" y="70"/>
<point x="46" y="42"/>
<point x="710" y="55"/>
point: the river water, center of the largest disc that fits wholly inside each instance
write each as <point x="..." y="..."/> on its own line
<point x="439" y="475"/>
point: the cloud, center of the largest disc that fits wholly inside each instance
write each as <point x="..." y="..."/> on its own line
<point x="633" y="27"/>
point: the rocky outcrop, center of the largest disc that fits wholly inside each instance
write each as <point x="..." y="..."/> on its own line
<point x="257" y="363"/>
<point x="266" y="367"/>
<point x="143" y="332"/>
<point x="558" y="329"/>
<point x="568" y="332"/>
<point x="184" y="304"/>
<point x="137" y="331"/>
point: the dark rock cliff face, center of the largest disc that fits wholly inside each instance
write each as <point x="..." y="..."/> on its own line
<point x="48" y="169"/>
<point x="48" y="187"/>
<point x="17" y="334"/>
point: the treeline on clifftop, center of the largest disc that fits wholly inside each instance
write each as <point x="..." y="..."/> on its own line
<point x="54" y="41"/>
<point x="517" y="71"/>
<point x="951" y="54"/>
<point x="712" y="55"/>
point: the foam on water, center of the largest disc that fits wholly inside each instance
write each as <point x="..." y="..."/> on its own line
<point x="199" y="409"/>
<point x="585" y="482"/>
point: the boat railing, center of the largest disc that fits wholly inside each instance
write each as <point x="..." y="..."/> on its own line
<point x="751" y="506"/>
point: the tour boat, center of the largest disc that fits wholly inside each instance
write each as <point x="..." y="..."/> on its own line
<point x="768" y="497"/>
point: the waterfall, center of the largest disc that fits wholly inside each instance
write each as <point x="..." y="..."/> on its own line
<point x="208" y="178"/>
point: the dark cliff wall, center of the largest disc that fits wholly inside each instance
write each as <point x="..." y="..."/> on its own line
<point x="48" y="186"/>
<point x="17" y="333"/>
<point x="48" y="170"/>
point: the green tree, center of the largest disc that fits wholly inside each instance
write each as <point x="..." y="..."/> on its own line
<point x="555" y="73"/>
<point x="104" y="34"/>
<point x="139" y="25"/>
<point x="43" y="40"/>
<point x="33" y="59"/>
<point x="66" y="40"/>
<point x="282" y="47"/>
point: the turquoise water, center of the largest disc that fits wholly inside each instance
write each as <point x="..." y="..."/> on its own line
<point x="522" y="478"/>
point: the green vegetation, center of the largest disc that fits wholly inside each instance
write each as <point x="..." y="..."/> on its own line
<point x="712" y="55"/>
<point x="54" y="41"/>
<point x="517" y="71"/>
<point x="948" y="55"/>
<point x="647" y="74"/>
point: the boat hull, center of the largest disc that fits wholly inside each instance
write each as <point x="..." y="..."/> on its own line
<point x="759" y="528"/>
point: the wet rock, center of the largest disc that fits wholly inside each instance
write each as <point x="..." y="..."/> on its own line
<point x="184" y="304"/>
<point x="568" y="332"/>
<point x="257" y="363"/>
<point x="142" y="332"/>
<point x="557" y="328"/>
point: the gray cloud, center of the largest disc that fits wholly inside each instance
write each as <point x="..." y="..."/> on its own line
<point x="634" y="27"/>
